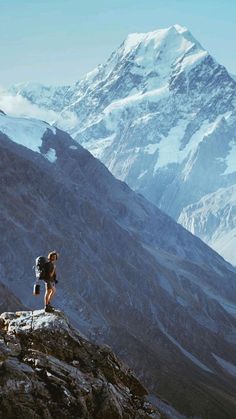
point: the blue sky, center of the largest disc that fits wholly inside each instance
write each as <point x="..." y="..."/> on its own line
<point x="58" y="41"/>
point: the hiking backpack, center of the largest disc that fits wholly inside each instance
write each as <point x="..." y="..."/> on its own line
<point x="42" y="268"/>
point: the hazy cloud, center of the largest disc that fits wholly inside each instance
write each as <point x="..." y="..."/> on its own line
<point x="21" y="107"/>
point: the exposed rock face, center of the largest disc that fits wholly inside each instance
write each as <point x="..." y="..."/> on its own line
<point x="48" y="370"/>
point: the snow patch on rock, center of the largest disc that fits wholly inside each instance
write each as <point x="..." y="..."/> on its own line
<point x="26" y="132"/>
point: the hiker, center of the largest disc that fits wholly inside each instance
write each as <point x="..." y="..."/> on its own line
<point x="50" y="282"/>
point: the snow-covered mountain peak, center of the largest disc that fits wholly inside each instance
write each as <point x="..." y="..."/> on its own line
<point x="155" y="38"/>
<point x="171" y="42"/>
<point x="157" y="54"/>
<point x="144" y="68"/>
<point x="158" y="37"/>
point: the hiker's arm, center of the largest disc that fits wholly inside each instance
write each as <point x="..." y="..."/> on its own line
<point x="53" y="275"/>
<point x="51" y="271"/>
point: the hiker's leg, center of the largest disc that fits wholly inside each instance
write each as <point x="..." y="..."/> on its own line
<point x="50" y="296"/>
<point x="53" y="292"/>
<point x="48" y="291"/>
<point x="47" y="296"/>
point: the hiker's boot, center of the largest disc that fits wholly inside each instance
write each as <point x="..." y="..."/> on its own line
<point x="48" y="309"/>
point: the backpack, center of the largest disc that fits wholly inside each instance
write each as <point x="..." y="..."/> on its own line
<point x="42" y="268"/>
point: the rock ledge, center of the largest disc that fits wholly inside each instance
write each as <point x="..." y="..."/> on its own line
<point x="49" y="370"/>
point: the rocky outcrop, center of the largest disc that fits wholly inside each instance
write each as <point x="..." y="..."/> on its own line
<point x="49" y="370"/>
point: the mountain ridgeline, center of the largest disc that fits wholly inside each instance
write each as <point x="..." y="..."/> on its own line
<point x="129" y="275"/>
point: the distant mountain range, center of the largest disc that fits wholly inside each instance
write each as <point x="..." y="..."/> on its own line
<point x="161" y="115"/>
<point x="128" y="274"/>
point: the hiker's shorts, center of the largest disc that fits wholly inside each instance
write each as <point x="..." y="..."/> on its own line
<point x="49" y="285"/>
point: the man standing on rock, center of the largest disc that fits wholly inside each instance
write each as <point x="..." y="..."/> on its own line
<point x="50" y="282"/>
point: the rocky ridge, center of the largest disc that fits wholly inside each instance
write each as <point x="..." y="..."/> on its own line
<point x="49" y="370"/>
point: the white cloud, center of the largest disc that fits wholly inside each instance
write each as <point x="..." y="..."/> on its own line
<point x="21" y="107"/>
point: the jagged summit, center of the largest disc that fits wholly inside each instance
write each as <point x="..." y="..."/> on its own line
<point x="159" y="36"/>
<point x="48" y="370"/>
<point x="156" y="55"/>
